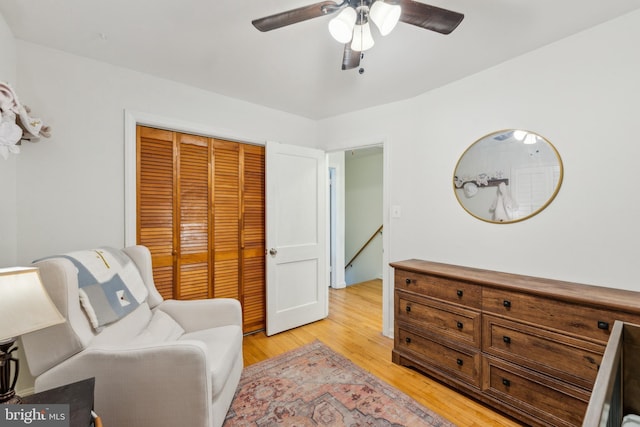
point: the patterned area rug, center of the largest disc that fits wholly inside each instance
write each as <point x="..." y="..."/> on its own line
<point x="314" y="386"/>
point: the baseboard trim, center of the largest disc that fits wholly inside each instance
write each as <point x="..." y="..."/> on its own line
<point x="26" y="392"/>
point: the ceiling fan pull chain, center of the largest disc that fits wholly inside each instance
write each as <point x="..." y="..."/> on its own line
<point x="361" y="69"/>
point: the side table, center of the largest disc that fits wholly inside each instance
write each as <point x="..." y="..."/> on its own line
<point x="79" y="397"/>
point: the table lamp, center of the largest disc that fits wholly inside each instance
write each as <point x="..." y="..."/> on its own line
<point x="25" y="306"/>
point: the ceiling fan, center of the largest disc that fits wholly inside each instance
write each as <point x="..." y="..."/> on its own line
<point x="351" y="25"/>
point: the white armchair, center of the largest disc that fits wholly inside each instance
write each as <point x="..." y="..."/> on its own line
<point x="163" y="363"/>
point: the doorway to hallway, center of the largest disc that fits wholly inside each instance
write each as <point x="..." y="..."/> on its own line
<point x="356" y="215"/>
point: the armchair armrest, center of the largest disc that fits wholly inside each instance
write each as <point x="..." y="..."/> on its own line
<point x="196" y="315"/>
<point x="130" y="380"/>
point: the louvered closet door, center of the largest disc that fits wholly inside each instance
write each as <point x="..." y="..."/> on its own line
<point x="253" y="237"/>
<point x="201" y="208"/>
<point x="193" y="258"/>
<point x="155" y="208"/>
<point x="226" y="223"/>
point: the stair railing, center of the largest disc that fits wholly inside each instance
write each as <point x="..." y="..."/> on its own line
<point x="373" y="236"/>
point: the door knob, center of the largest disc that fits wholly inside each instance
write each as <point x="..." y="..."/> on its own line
<point x="273" y="251"/>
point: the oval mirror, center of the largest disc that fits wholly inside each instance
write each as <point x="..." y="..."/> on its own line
<point x="508" y="176"/>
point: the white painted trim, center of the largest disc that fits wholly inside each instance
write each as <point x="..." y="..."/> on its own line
<point x="331" y="244"/>
<point x="338" y="166"/>
<point x="387" y="272"/>
<point x="130" y="181"/>
<point x="26" y="392"/>
<point x="133" y="118"/>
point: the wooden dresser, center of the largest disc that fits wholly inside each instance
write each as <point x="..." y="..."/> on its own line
<point x="527" y="346"/>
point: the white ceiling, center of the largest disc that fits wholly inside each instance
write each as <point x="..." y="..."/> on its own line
<point x="212" y="45"/>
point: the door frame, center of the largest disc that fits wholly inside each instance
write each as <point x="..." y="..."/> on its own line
<point x="336" y="221"/>
<point x="387" y="272"/>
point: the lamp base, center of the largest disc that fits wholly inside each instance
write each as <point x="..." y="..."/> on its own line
<point x="8" y="378"/>
<point x="13" y="400"/>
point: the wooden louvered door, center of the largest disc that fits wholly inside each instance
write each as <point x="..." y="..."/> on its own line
<point x="201" y="208"/>
<point x="253" y="237"/>
<point x="193" y="196"/>
<point x="238" y="244"/>
<point x="155" y="208"/>
<point x="226" y="212"/>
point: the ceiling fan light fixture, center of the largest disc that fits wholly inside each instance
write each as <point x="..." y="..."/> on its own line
<point x="341" y="27"/>
<point x="385" y="16"/>
<point x="519" y="135"/>
<point x="362" y="38"/>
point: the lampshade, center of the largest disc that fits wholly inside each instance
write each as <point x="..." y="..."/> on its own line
<point x="341" y="27"/>
<point x="362" y="39"/>
<point x="385" y="16"/>
<point x="25" y="305"/>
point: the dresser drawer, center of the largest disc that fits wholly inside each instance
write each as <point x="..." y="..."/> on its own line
<point x="542" y="398"/>
<point x="569" y="359"/>
<point x="456" y="291"/>
<point x="579" y="320"/>
<point x="458" y="361"/>
<point x="439" y="318"/>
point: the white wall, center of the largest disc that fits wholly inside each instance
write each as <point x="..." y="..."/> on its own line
<point x="68" y="191"/>
<point x="71" y="186"/>
<point x="363" y="213"/>
<point x="8" y="168"/>
<point x="580" y="93"/>
<point x="8" y="49"/>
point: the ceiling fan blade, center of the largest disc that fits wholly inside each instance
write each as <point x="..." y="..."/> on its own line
<point x="294" y="16"/>
<point x="350" y="58"/>
<point x="429" y="17"/>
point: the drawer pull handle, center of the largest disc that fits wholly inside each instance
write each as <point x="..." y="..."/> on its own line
<point x="603" y="325"/>
<point x="460" y="362"/>
<point x="506" y="382"/>
<point x="408" y="308"/>
<point x="506" y="339"/>
<point x="407" y="281"/>
<point x="459" y="293"/>
<point x="506" y="303"/>
<point x="460" y="325"/>
<point x="407" y="340"/>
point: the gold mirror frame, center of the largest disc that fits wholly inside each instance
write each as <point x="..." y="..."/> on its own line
<point x="508" y="176"/>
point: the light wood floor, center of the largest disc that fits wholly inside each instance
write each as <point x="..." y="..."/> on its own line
<point x="353" y="329"/>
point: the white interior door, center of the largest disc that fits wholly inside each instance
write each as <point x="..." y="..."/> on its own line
<point x="296" y="185"/>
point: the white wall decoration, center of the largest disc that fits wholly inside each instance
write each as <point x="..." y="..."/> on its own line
<point x="16" y="123"/>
